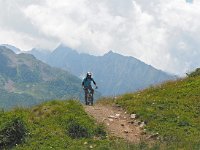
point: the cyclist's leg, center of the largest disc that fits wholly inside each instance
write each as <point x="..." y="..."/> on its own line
<point x="92" y="91"/>
<point x="86" y="93"/>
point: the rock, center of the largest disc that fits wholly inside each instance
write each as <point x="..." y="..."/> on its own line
<point x="139" y="123"/>
<point x="110" y="119"/>
<point x="103" y="119"/>
<point x="117" y="115"/>
<point x="143" y="133"/>
<point x="91" y="146"/>
<point x="135" y="123"/>
<point x="154" y="136"/>
<point x="85" y="143"/>
<point x="122" y="125"/>
<point x="125" y="131"/>
<point x="111" y="116"/>
<point x="108" y="124"/>
<point x="112" y="130"/>
<point x="142" y="124"/>
<point x="118" y="105"/>
<point x="131" y="122"/>
<point x="133" y="116"/>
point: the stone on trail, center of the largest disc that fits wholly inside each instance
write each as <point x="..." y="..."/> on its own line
<point x="154" y="136"/>
<point x="142" y="125"/>
<point x="125" y="131"/>
<point x="131" y="122"/>
<point x="133" y="116"/>
<point x="111" y="116"/>
<point x="117" y="115"/>
<point x="111" y="120"/>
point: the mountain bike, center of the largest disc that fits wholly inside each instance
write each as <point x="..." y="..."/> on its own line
<point x="89" y="96"/>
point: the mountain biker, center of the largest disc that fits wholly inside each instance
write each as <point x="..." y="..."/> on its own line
<point x="86" y="84"/>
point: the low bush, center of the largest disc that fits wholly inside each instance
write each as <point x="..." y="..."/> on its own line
<point x="76" y="130"/>
<point x="13" y="133"/>
<point x="100" y="131"/>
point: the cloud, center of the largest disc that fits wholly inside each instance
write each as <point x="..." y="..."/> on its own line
<point x="17" y="29"/>
<point x="163" y="34"/>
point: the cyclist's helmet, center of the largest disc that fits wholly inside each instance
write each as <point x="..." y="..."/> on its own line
<point x="89" y="74"/>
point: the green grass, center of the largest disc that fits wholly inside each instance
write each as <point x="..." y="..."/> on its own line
<point x="56" y="125"/>
<point x="50" y="125"/>
<point x="171" y="109"/>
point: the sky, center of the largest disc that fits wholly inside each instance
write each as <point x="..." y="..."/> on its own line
<point x="164" y="34"/>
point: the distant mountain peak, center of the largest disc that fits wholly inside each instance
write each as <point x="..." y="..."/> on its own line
<point x="110" y="53"/>
<point x="61" y="45"/>
<point x="63" y="48"/>
<point x="11" y="47"/>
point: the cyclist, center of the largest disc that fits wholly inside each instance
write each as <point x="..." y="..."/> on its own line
<point x="86" y="84"/>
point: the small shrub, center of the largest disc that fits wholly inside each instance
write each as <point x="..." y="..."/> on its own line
<point x="183" y="123"/>
<point x="100" y="131"/>
<point x="13" y="133"/>
<point x="76" y="130"/>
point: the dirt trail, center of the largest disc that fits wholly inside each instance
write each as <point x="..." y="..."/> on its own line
<point x="118" y="122"/>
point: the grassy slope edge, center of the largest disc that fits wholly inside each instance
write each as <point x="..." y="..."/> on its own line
<point x="55" y="125"/>
<point x="171" y="109"/>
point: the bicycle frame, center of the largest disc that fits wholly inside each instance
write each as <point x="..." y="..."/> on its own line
<point x="89" y="97"/>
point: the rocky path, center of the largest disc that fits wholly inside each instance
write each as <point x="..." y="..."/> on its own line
<point x="118" y="122"/>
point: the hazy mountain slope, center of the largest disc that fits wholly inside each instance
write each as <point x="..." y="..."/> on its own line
<point x="39" y="54"/>
<point x="13" y="48"/>
<point x="114" y="73"/>
<point x="26" y="80"/>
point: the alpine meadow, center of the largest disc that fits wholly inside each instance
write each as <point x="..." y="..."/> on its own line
<point x="99" y="75"/>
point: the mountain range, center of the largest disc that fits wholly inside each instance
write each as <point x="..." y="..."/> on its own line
<point x="13" y="48"/>
<point x="26" y="81"/>
<point x="114" y="73"/>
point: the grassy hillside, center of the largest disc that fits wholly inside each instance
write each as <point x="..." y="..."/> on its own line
<point x="171" y="109"/>
<point x="55" y="125"/>
<point x="26" y="81"/>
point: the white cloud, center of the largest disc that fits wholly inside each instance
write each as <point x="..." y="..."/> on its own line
<point x="163" y="34"/>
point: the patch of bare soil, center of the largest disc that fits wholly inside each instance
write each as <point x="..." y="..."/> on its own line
<point x="118" y="122"/>
<point x="10" y="86"/>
